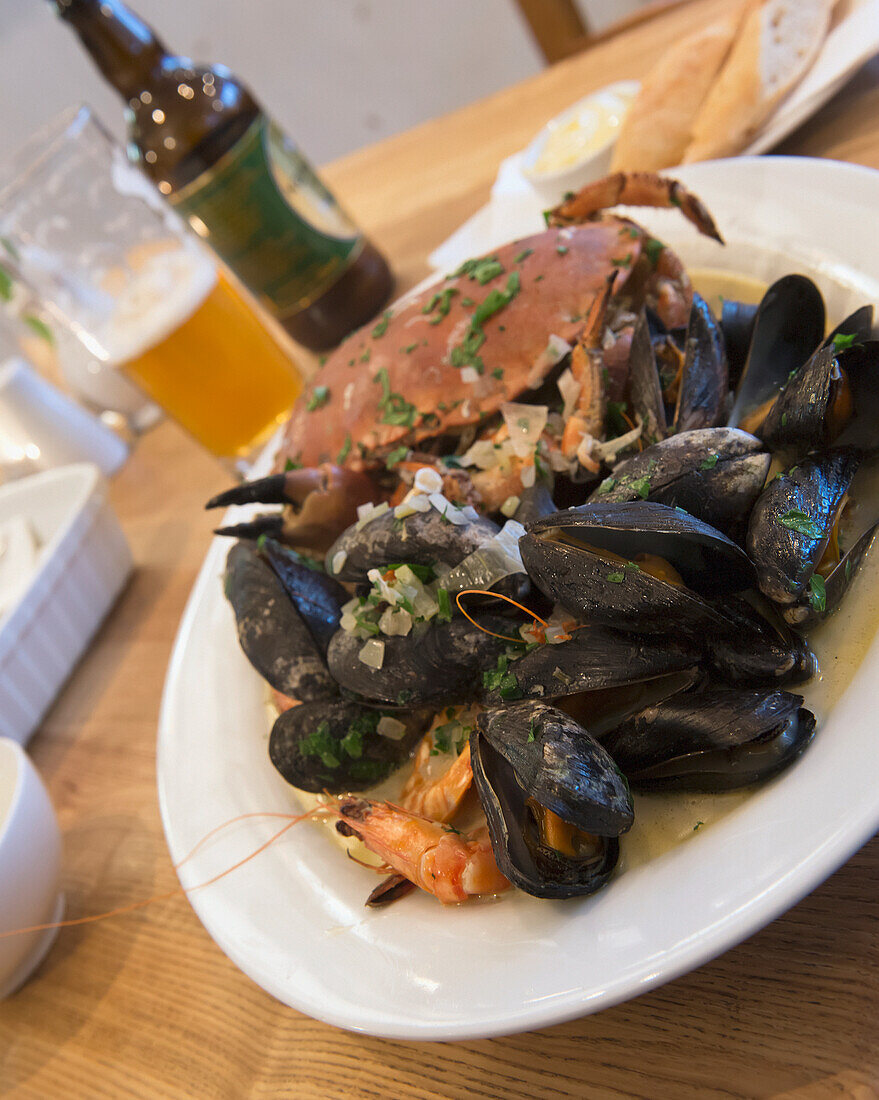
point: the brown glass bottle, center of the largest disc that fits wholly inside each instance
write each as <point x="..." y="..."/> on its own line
<point x="244" y="187"/>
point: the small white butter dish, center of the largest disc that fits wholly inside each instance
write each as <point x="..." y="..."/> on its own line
<point x="82" y="563"/>
<point x="576" y="146"/>
<point x="30" y="867"/>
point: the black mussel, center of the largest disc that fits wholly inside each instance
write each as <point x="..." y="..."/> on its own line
<point x="422" y="538"/>
<point x="644" y="384"/>
<point x="857" y="422"/>
<point x="857" y="327"/>
<point x="704" y="384"/>
<point x="788" y="327"/>
<point x="594" y="658"/>
<point x="438" y="662"/>
<point x="272" y="633"/>
<point x="756" y="647"/>
<point x="554" y="800"/>
<point x="317" y="597"/>
<point x="715" y="474"/>
<point x="634" y="566"/>
<point x="339" y="746"/>
<point x="737" y="322"/>
<point x="822" y="602"/>
<point x="793" y="537"/>
<point x="711" y="741"/>
<point x="814" y="401"/>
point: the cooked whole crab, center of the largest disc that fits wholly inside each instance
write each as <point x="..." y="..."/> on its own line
<point x="439" y="366"/>
<point x="653" y="645"/>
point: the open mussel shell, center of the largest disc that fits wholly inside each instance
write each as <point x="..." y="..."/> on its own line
<point x="711" y="741"/>
<point x="421" y="539"/>
<point x="756" y="648"/>
<point x="317" y="597"/>
<point x="858" y="325"/>
<point x="587" y="559"/>
<point x="790" y="527"/>
<point x="530" y="756"/>
<point x="440" y="664"/>
<point x="814" y="608"/>
<point x="705" y="378"/>
<point x="593" y="659"/>
<point x="737" y="322"/>
<point x="801" y="417"/>
<point x="644" y="387"/>
<point x="788" y="327"/>
<point x="274" y="636"/>
<point x="336" y="747"/>
<point x="859" y="364"/>
<point x="715" y="474"/>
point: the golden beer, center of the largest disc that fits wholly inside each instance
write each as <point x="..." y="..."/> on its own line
<point x="185" y="336"/>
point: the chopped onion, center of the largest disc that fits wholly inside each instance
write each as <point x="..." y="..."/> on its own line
<point x="339" y="559"/>
<point x="392" y="728"/>
<point x="395" y="623"/>
<point x="556" y="633"/>
<point x="555" y="350"/>
<point x="612" y="447"/>
<point x="525" y="424"/>
<point x="428" y="480"/>
<point x="528" y="475"/>
<point x="373" y="653"/>
<point x="387" y="593"/>
<point x="351" y="606"/>
<point x="497" y="559"/>
<point x="367" y="512"/>
<point x="404" y="510"/>
<point x="569" y="388"/>
<point x="445" y="507"/>
<point x="483" y="454"/>
<point x="348" y="622"/>
<point x="509" y="506"/>
<point x="469" y="375"/>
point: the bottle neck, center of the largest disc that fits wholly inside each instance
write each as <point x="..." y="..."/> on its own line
<point x="122" y="46"/>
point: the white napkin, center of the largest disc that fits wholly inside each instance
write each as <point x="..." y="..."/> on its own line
<point x="515" y="209"/>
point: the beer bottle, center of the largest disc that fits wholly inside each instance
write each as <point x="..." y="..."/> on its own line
<point x="242" y="184"/>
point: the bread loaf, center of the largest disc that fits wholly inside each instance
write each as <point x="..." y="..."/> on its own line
<point x="778" y="41"/>
<point x="658" y="127"/>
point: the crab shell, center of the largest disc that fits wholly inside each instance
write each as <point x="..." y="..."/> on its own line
<point x="562" y="273"/>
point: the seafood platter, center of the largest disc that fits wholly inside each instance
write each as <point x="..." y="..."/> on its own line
<point x="559" y="577"/>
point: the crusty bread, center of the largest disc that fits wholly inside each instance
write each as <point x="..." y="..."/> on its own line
<point x="658" y="127"/>
<point x="779" y="40"/>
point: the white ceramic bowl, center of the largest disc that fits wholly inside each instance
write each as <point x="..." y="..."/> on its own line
<point x="83" y="563"/>
<point x="552" y="185"/>
<point x="30" y="866"/>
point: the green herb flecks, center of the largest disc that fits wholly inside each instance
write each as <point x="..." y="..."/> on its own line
<point x="441" y="302"/>
<point x="653" y="249"/>
<point x="395" y="456"/>
<point x="444" y="603"/>
<point x="709" y="463"/>
<point x="382" y="327"/>
<point x="523" y="255"/>
<point x="616" y="578"/>
<point x="842" y="340"/>
<point x="393" y="407"/>
<point x="626" y="261"/>
<point x="801" y="522"/>
<point x="345" y="450"/>
<point x="817" y="592"/>
<point x="320" y="395"/>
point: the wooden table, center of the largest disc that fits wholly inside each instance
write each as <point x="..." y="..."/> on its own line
<point x="146" y="1006"/>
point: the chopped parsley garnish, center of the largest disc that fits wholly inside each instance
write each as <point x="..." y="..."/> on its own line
<point x="345" y="450"/>
<point x="403" y="697"/>
<point x="841" y="340"/>
<point x="709" y="463"/>
<point x="616" y="578"/>
<point x="382" y="327"/>
<point x="503" y="681"/>
<point x="444" y="603"/>
<point x="409" y="348"/>
<point x="320" y="395"/>
<point x="531" y="732"/>
<point x="393" y="407"/>
<point x="801" y="522"/>
<point x="817" y="592"/>
<point x="366" y="356"/>
<point x="441" y="302"/>
<point x="641" y="487"/>
<point x="497" y="373"/>
<point x="292" y="464"/>
<point x="607" y="485"/>
<point x="652" y="250"/>
<point x="561" y="249"/>
<point x="626" y="261"/>
<point x="523" y="255"/>
<point x="320" y="742"/>
<point x="480" y="270"/>
<point x="395" y="456"/>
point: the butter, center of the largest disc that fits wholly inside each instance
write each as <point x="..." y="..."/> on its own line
<point x="591" y="127"/>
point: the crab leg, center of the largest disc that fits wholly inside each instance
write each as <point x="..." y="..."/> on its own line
<point x="633" y="189"/>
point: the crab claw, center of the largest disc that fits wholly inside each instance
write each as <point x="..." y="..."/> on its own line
<point x="324" y="502"/>
<point x="633" y="189"/>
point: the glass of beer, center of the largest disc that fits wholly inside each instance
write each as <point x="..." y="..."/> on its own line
<point x="107" y="259"/>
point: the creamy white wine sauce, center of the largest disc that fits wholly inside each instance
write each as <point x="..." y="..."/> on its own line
<point x="664" y="820"/>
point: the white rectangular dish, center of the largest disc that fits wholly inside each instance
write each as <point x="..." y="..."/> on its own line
<point x="82" y="565"/>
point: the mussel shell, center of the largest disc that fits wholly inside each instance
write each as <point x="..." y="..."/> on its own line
<point x="756" y="649"/>
<point x="858" y="324"/>
<point x="420" y="539"/>
<point x="860" y="363"/>
<point x="596" y="658"/>
<point x="798" y="418"/>
<point x="792" y="521"/>
<point x="560" y="765"/>
<point x="272" y="633"/>
<point x="623" y="596"/>
<point x="715" y="474"/>
<point x="441" y="665"/>
<point x="644" y="389"/>
<point x="809" y="611"/>
<point x="317" y="597"/>
<point x="713" y="741"/>
<point x="529" y="864"/>
<point x="705" y="377"/>
<point x="788" y="327"/>
<point x="737" y="322"/>
<point x="334" y="747"/>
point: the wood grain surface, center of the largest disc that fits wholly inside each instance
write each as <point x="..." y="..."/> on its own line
<point x="146" y="1006"/>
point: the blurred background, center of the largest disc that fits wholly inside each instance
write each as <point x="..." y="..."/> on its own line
<point x="336" y="74"/>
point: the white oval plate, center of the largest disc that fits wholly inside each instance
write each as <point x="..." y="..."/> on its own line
<point x="293" y="917"/>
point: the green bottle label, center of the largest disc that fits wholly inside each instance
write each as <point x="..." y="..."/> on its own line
<point x="266" y="214"/>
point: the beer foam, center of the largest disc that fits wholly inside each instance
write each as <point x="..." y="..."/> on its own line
<point x="162" y="292"/>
